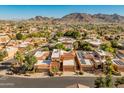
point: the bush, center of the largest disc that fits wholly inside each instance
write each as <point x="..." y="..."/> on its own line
<point x="119" y="81"/>
<point x="19" y="36"/>
<point x="77" y="72"/>
<point x="59" y="46"/>
<point x="55" y="70"/>
<point x="116" y="73"/>
<point x="50" y="73"/>
<point x="67" y="49"/>
<point x="46" y="49"/>
<point x="81" y="73"/>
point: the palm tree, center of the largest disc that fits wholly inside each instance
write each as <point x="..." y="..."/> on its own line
<point x="107" y="81"/>
<point x="108" y="66"/>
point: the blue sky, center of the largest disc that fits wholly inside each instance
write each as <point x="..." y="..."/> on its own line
<point x="28" y="11"/>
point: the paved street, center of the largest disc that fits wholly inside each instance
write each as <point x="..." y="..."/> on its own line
<point x="52" y="82"/>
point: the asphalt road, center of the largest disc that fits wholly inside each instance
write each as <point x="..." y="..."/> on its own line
<point x="52" y="82"/>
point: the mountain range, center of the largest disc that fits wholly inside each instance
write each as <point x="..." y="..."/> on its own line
<point x="82" y="18"/>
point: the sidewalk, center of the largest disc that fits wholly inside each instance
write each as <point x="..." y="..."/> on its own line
<point x="45" y="75"/>
<point x="85" y="74"/>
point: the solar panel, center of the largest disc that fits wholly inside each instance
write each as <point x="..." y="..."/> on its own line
<point x="81" y="57"/>
<point x="119" y="62"/>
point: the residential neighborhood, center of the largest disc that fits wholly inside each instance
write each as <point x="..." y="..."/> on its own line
<point x="44" y="47"/>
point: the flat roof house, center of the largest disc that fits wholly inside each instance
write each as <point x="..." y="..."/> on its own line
<point x="22" y="46"/>
<point x="102" y="55"/>
<point x="94" y="42"/>
<point x="55" y="59"/>
<point x="85" y="61"/>
<point x="56" y="55"/>
<point x="120" y="54"/>
<point x="68" y="61"/>
<point x="4" y="38"/>
<point x="63" y="60"/>
<point x="68" y="42"/>
<point x="11" y="51"/>
<point x="119" y="63"/>
<point x="43" y="61"/>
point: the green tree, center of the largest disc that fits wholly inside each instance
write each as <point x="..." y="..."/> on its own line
<point x="19" y="57"/>
<point x="29" y="47"/>
<point x="76" y="35"/>
<point x="68" y="33"/>
<point x="54" y="70"/>
<point x="109" y="82"/>
<point x="114" y="43"/>
<point x="73" y="34"/>
<point x="59" y="34"/>
<point x="109" y="69"/>
<point x="76" y="45"/>
<point x="107" y="47"/>
<point x="3" y="54"/>
<point x="19" y="36"/>
<point x="59" y="46"/>
<point x="119" y="81"/>
<point x="29" y="62"/>
<point x="86" y="46"/>
<point x="45" y="49"/>
<point x="84" y="35"/>
<point x="100" y="82"/>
